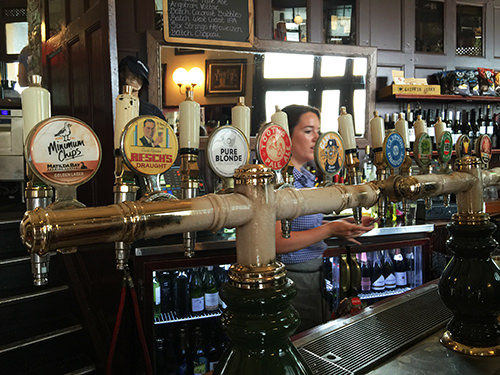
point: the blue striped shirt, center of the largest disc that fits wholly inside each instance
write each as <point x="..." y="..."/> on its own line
<point x="305" y="179"/>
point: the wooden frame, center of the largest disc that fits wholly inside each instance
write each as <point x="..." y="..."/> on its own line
<point x="200" y="41"/>
<point x="225" y="77"/>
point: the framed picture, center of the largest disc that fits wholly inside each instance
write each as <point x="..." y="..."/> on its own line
<point x="188" y="51"/>
<point x="225" y="77"/>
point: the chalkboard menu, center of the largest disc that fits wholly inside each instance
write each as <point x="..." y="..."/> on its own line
<point x="219" y="22"/>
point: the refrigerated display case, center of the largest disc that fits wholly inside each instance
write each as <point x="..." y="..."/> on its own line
<point x="170" y="316"/>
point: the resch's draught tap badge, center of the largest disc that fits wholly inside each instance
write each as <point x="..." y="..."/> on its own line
<point x="63" y="151"/>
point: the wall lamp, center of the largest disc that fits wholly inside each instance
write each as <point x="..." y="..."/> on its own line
<point x="192" y="78"/>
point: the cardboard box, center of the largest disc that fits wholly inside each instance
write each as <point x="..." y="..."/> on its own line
<point x="410" y="90"/>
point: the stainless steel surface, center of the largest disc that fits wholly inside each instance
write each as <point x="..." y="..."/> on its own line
<point x="389" y="231"/>
<point x="178" y="248"/>
<point x="360" y="344"/>
<point x="11" y="167"/>
<point x="430" y="357"/>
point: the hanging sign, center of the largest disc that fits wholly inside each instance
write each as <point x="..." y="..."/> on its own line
<point x="148" y="145"/>
<point x="329" y="153"/>
<point x="274" y="147"/>
<point x="63" y="151"/>
<point x="394" y="150"/>
<point x="214" y="22"/>
<point x="227" y="150"/>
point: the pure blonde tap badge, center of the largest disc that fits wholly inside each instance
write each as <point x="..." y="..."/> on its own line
<point x="149" y="145"/>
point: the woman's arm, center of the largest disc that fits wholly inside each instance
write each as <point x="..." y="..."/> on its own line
<point x="339" y="228"/>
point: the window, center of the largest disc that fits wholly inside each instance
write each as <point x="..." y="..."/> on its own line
<point x="282" y="99"/>
<point x="290" y="24"/>
<point x="330" y="110"/>
<point x="340" y="21"/>
<point x="16" y="37"/>
<point x="429" y="26"/>
<point x="286" y="65"/>
<point x="469" y="30"/>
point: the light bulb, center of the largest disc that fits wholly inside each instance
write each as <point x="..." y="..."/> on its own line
<point x="196" y="76"/>
<point x="180" y="76"/>
<point x="298" y="19"/>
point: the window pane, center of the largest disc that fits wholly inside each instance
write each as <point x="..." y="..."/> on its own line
<point x="429" y="29"/>
<point x="290" y="24"/>
<point x="284" y="98"/>
<point x="330" y="110"/>
<point x="360" y="66"/>
<point x="16" y="37"/>
<point x="12" y="70"/>
<point x="286" y="65"/>
<point x="359" y="111"/>
<point x="340" y="22"/>
<point x="333" y="66"/>
<point x="469" y="30"/>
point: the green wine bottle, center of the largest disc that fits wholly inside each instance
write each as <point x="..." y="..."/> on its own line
<point x="196" y="290"/>
<point x="156" y="296"/>
<point x="211" y="290"/>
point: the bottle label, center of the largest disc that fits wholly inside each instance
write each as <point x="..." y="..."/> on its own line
<point x="212" y="366"/>
<point x="401" y="279"/>
<point x="200" y="366"/>
<point x="390" y="281"/>
<point x="212" y="301"/>
<point x="379" y="284"/>
<point x="365" y="284"/>
<point x="157" y="295"/>
<point x="411" y="134"/>
<point x="197" y="304"/>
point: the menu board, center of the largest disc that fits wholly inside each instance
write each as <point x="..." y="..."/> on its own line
<point x="219" y="22"/>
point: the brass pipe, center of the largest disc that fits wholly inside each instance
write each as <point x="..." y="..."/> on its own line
<point x="405" y="172"/>
<point x="46" y="230"/>
<point x="381" y="166"/>
<point x="189" y="190"/>
<point x="352" y="165"/>
<point x="470" y="202"/>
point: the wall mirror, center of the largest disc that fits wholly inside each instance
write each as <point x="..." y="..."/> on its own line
<point x="271" y="73"/>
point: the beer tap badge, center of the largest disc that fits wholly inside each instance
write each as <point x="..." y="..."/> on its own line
<point x="329" y="153"/>
<point x="63" y="151"/>
<point x="227" y="150"/>
<point x="422" y="150"/>
<point x="445" y="147"/>
<point x="463" y="146"/>
<point x="394" y="150"/>
<point x="149" y="145"/>
<point x="483" y="148"/>
<point x="274" y="147"/>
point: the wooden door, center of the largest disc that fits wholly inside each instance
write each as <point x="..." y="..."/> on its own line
<point x="79" y="60"/>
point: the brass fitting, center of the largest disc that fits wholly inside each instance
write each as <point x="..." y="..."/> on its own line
<point x="255" y="277"/>
<point x="189" y="171"/>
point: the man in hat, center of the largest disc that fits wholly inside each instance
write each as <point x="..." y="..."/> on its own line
<point x="134" y="72"/>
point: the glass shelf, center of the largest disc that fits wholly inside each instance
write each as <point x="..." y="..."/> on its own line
<point x="386" y="293"/>
<point x="171" y="316"/>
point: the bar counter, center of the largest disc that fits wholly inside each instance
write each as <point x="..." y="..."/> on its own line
<point x="399" y="335"/>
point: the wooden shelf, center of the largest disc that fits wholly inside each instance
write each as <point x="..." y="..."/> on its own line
<point x="444" y="98"/>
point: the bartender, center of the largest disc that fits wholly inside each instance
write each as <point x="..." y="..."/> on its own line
<point x="133" y="72"/>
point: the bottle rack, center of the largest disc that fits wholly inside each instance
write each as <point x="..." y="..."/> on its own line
<point x="172" y="317"/>
<point x="385" y="293"/>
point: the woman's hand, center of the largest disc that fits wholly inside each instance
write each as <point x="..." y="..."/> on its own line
<point x="347" y="229"/>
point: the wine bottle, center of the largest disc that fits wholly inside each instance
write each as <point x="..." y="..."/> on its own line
<point x="200" y="360"/>
<point x="160" y="356"/>
<point x="378" y="280"/>
<point x="487" y="122"/>
<point x="355" y="276"/>
<point x="165" y="281"/>
<point x="213" y="351"/>
<point x="182" y="300"/>
<point x="170" y="355"/>
<point x="211" y="290"/>
<point x="366" y="282"/>
<point x="389" y="276"/>
<point x="400" y="270"/>
<point x="410" y="267"/>
<point x="182" y="357"/>
<point x="156" y="296"/>
<point x="222" y="282"/>
<point x="196" y="292"/>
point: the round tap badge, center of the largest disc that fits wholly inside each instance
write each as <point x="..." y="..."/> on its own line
<point x="329" y="153"/>
<point x="394" y="150"/>
<point x="227" y="150"/>
<point x="463" y="146"/>
<point x="63" y="150"/>
<point x="274" y="147"/>
<point x="149" y="145"/>
<point x="445" y="147"/>
<point x="483" y="148"/>
<point x="422" y="150"/>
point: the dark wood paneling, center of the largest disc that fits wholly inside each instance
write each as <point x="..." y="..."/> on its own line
<point x="263" y="19"/>
<point x="76" y="9"/>
<point x="79" y="79"/>
<point x="57" y="81"/>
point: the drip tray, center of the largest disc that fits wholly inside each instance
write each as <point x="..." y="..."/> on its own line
<point x="358" y="346"/>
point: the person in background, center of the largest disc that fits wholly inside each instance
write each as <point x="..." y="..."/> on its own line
<point x="23" y="67"/>
<point x="302" y="252"/>
<point x="135" y="73"/>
